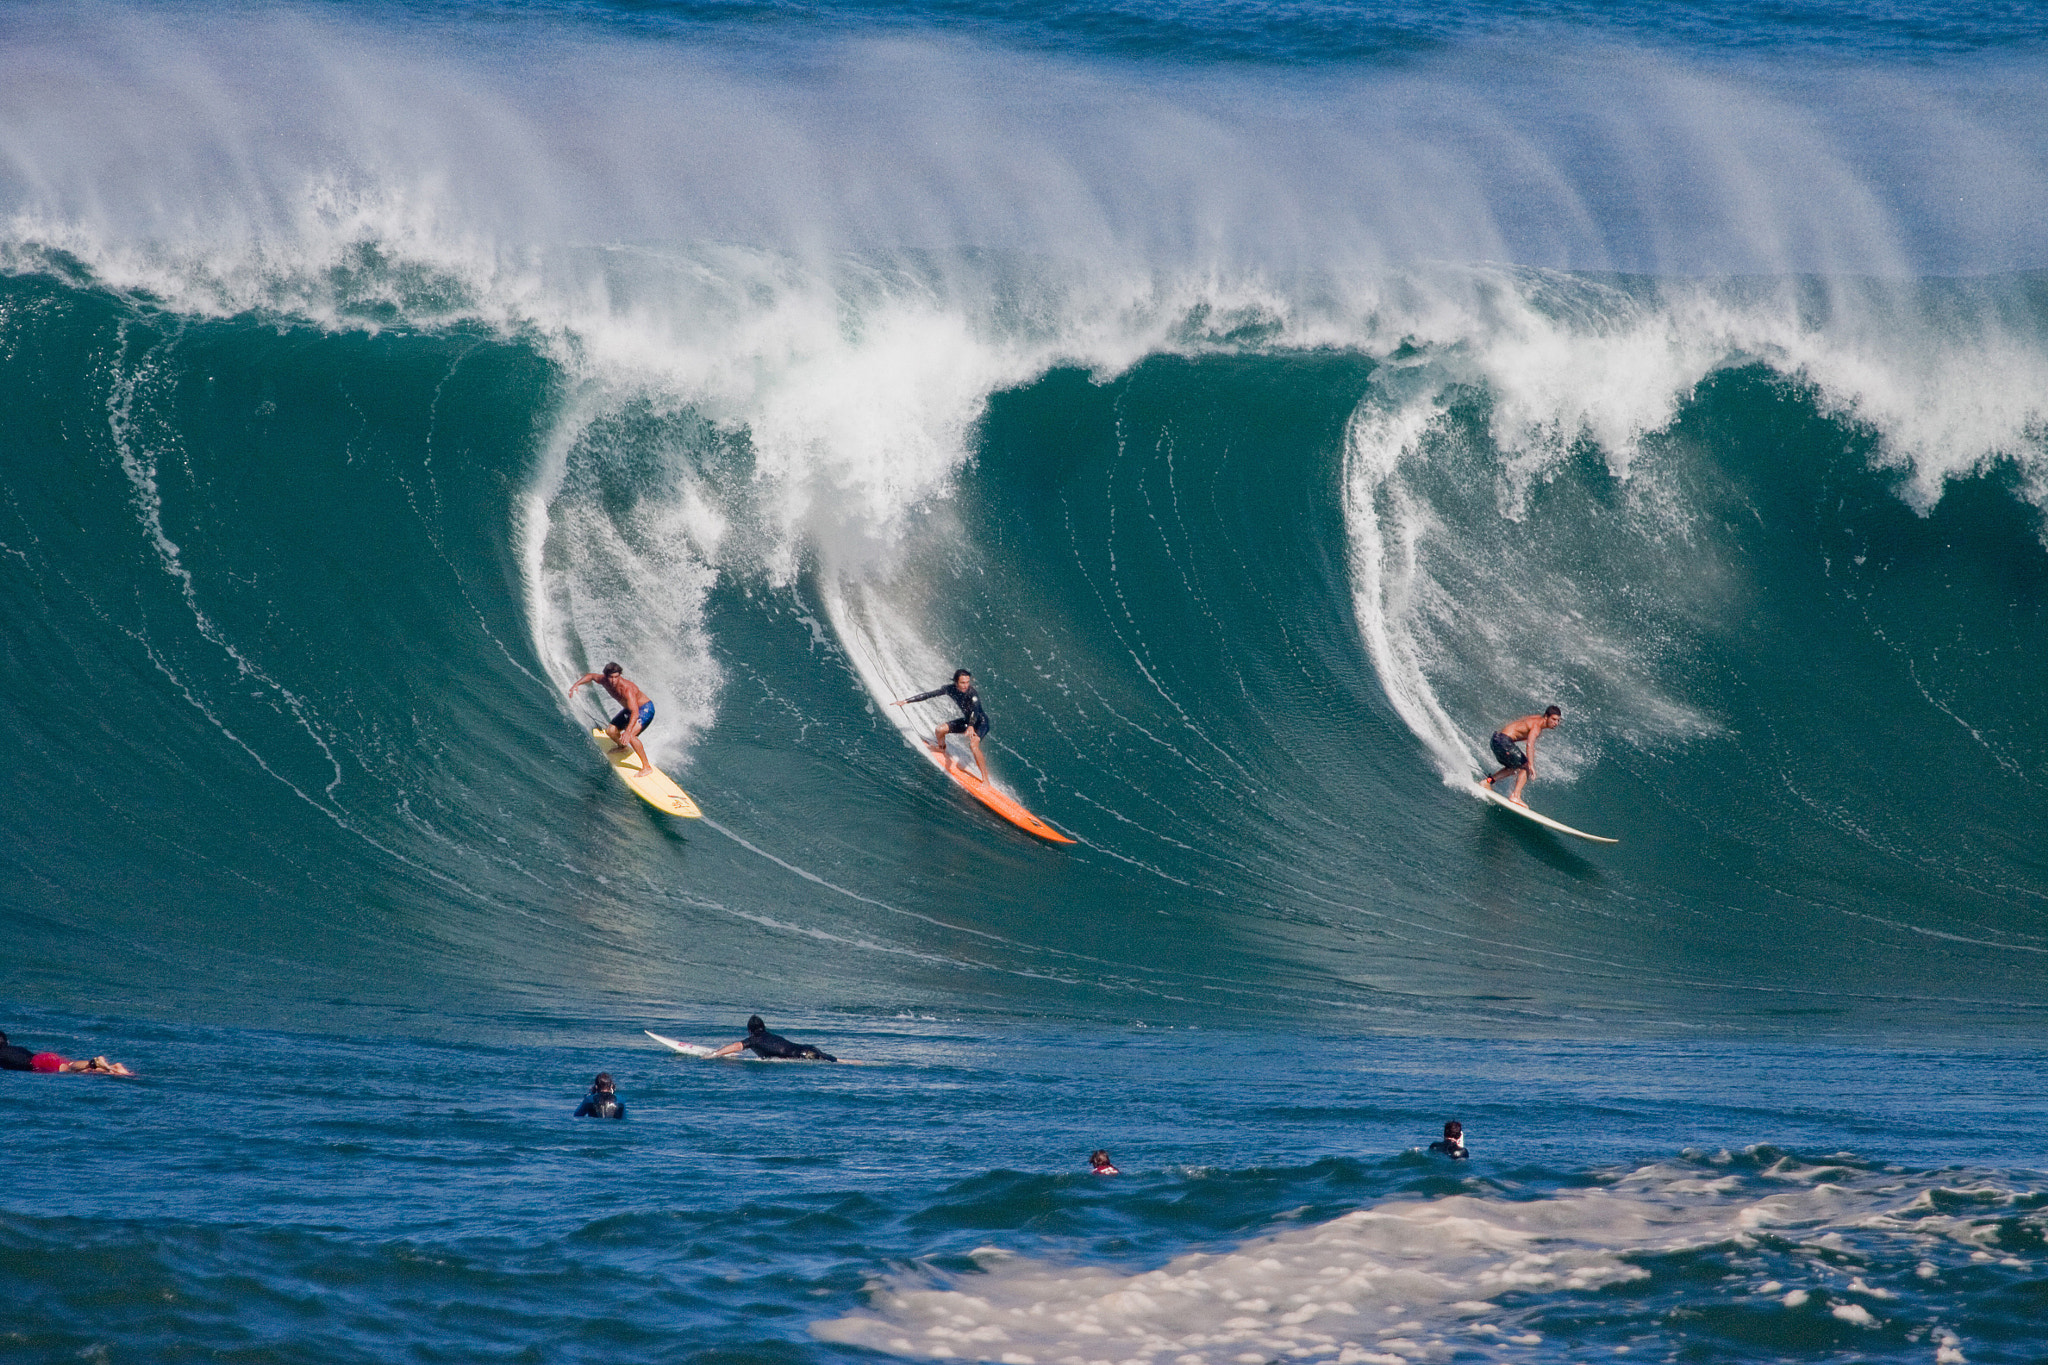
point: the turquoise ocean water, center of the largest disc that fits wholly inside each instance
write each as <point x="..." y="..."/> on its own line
<point x="1265" y="401"/>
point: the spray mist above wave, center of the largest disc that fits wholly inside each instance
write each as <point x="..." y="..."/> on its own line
<point x="238" y="160"/>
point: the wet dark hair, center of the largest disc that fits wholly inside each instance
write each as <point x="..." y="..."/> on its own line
<point x="960" y="673"/>
<point x="1098" y="1157"/>
<point x="754" y="1024"/>
<point x="1554" y="710"/>
<point x="1454" y="1129"/>
<point x="612" y="668"/>
<point x="3" y="1040"/>
<point x="603" y="1081"/>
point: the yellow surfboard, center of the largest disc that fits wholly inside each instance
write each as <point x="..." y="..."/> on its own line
<point x="651" y="784"/>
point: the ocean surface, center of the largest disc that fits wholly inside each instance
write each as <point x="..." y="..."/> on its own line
<point x="1266" y="401"/>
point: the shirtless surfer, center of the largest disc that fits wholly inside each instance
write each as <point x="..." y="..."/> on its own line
<point x="1513" y="760"/>
<point x="631" y="723"/>
<point x="972" y="721"/>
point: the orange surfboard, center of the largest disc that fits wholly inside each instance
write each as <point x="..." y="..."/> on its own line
<point x="996" y="799"/>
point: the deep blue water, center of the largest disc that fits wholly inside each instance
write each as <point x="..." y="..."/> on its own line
<point x="319" y="1197"/>
<point x="1266" y="402"/>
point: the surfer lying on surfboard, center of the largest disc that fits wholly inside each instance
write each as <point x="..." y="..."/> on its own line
<point x="631" y="723"/>
<point x="1513" y="760"/>
<point x="762" y="1043"/>
<point x="973" y="721"/>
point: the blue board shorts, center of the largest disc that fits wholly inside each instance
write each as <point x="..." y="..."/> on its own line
<point x="646" y="717"/>
<point x="1504" y="750"/>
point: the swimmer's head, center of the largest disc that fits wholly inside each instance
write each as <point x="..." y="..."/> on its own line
<point x="603" y="1081"/>
<point x="1454" y="1130"/>
<point x="960" y="673"/>
<point x="3" y="1040"/>
<point x="754" y="1024"/>
<point x="1098" y="1157"/>
<point x="1552" y="714"/>
<point x="612" y="670"/>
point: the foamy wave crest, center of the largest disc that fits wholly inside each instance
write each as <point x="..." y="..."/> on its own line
<point x="1472" y="1276"/>
<point x="833" y="257"/>
<point x="1477" y="607"/>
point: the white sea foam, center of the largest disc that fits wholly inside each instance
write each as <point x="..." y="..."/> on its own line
<point x="1408" y="1281"/>
<point x="1470" y="619"/>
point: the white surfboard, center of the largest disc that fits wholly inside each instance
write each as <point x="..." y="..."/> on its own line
<point x="678" y="1045"/>
<point x="1489" y="794"/>
<point x="699" y="1050"/>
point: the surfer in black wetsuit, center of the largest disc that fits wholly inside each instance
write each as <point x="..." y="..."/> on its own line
<point x="603" y="1101"/>
<point x="1512" y="759"/>
<point x="14" y="1058"/>
<point x="762" y="1043"/>
<point x="973" y="721"/>
<point x="1452" y="1143"/>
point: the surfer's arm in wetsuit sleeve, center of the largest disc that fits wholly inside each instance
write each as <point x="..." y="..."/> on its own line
<point x="969" y="702"/>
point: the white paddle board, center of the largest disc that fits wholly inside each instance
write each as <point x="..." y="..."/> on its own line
<point x="1489" y="794"/>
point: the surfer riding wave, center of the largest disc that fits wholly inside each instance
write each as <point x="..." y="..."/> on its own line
<point x="972" y="721"/>
<point x="632" y="721"/>
<point x="1514" y="760"/>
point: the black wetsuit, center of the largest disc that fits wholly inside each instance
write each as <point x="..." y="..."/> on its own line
<point x="766" y="1044"/>
<point x="602" y="1104"/>
<point x="14" y="1058"/>
<point x="1454" y="1150"/>
<point x="969" y="703"/>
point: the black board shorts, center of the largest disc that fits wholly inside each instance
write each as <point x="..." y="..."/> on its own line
<point x="959" y="727"/>
<point x="1505" y="751"/>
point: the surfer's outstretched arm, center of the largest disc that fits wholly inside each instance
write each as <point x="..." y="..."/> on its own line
<point x="729" y="1049"/>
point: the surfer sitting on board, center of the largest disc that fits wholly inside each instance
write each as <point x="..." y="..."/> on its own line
<point x="973" y="721"/>
<point x="762" y="1043"/>
<point x="631" y="723"/>
<point x="1513" y="760"/>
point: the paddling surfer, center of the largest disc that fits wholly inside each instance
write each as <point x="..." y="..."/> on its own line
<point x="1512" y="759"/>
<point x="972" y="721"/>
<point x="762" y="1043"/>
<point x="632" y="722"/>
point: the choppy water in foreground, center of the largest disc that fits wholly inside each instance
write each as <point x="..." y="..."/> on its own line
<point x="265" y="1196"/>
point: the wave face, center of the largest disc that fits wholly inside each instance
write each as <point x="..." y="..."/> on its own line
<point x="1261" y="441"/>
